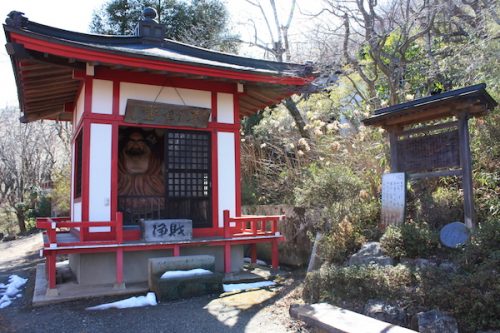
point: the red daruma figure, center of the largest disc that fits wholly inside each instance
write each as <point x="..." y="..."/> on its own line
<point x="141" y="185"/>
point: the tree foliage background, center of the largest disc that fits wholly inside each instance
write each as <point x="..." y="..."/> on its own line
<point x="203" y="23"/>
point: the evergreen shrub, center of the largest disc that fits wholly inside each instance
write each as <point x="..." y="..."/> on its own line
<point x="411" y="240"/>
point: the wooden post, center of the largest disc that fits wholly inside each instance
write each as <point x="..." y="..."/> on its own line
<point x="119" y="227"/>
<point x="51" y="274"/>
<point x="227" y="225"/>
<point x="177" y="250"/>
<point x="394" y="149"/>
<point x="466" y="165"/>
<point x="253" y="253"/>
<point x="275" y="254"/>
<point x="227" y="257"/>
<point x="119" y="270"/>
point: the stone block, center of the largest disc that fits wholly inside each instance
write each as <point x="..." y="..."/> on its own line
<point x="176" y="288"/>
<point x="370" y="253"/>
<point x="183" y="287"/>
<point x="158" y="266"/>
<point x="435" y="321"/>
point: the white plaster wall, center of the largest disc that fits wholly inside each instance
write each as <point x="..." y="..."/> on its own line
<point x="102" y="96"/>
<point x="80" y="105"/>
<point x="225" y="108"/>
<point x="72" y="195"/>
<point x="77" y="212"/>
<point x="146" y="92"/>
<point x="226" y="174"/>
<point x="100" y="175"/>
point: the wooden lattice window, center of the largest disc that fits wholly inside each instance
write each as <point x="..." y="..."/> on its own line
<point x="188" y="164"/>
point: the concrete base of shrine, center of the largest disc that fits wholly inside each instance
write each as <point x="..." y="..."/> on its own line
<point x="100" y="268"/>
<point x="69" y="290"/>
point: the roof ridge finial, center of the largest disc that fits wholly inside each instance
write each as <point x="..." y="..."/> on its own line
<point x="148" y="28"/>
<point x="150" y="14"/>
<point x="16" y="19"/>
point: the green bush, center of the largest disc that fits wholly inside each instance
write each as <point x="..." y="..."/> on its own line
<point x="409" y="240"/>
<point x="471" y="297"/>
<point x="483" y="246"/>
<point x="343" y="239"/>
<point x="348" y="216"/>
<point x="357" y="283"/>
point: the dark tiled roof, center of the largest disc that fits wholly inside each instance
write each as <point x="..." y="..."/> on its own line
<point x="433" y="107"/>
<point x="46" y="84"/>
<point x="164" y="49"/>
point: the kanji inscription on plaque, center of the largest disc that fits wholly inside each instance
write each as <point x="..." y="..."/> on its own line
<point x="393" y="198"/>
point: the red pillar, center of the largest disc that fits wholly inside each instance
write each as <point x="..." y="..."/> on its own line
<point x="51" y="269"/>
<point x="275" y="254"/>
<point x="227" y="258"/>
<point x="253" y="253"/>
<point x="119" y="268"/>
<point x="177" y="250"/>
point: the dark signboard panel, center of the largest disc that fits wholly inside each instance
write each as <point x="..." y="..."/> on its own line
<point x="429" y="152"/>
<point x="154" y="113"/>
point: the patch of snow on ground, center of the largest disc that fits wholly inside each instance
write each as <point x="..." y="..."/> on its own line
<point x="183" y="274"/>
<point x="132" y="302"/>
<point x="259" y="262"/>
<point x="11" y="290"/>
<point x="245" y="286"/>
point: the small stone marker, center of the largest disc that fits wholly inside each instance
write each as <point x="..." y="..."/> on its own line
<point x="393" y="198"/>
<point x="167" y="230"/>
<point x="454" y="234"/>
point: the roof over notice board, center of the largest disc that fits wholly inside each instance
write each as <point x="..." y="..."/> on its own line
<point x="473" y="99"/>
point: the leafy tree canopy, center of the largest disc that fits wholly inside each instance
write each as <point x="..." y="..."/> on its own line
<point x="202" y="23"/>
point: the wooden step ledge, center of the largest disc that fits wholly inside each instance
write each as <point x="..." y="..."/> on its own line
<point x="330" y="318"/>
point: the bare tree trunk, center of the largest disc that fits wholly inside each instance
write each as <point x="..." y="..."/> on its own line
<point x="297" y="117"/>
<point x="21" y="219"/>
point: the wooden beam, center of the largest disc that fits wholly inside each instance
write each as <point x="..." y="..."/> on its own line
<point x="444" y="173"/>
<point x="57" y="78"/>
<point x="394" y="151"/>
<point x="50" y="73"/>
<point x="51" y="99"/>
<point x="17" y="50"/>
<point x="50" y="87"/>
<point x="429" y="128"/>
<point x="466" y="165"/>
<point x="27" y="117"/>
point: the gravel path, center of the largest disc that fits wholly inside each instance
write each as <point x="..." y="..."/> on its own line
<point x="264" y="310"/>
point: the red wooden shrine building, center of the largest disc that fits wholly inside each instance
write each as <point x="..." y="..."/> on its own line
<point x="155" y="137"/>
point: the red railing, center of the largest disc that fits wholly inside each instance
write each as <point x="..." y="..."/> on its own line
<point x="52" y="224"/>
<point x="251" y="225"/>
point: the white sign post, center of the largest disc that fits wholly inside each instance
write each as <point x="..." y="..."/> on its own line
<point x="393" y="198"/>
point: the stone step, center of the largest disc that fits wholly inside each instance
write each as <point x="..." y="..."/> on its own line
<point x="330" y="318"/>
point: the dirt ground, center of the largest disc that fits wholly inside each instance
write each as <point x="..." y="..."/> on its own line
<point x="264" y="310"/>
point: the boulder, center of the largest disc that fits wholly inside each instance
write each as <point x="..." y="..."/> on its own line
<point x="418" y="263"/>
<point x="435" y="321"/>
<point x="385" y="312"/>
<point x="448" y="267"/>
<point x="370" y="253"/>
<point x="8" y="238"/>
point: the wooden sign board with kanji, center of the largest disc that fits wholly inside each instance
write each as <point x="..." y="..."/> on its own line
<point x="167" y="230"/>
<point x="393" y="198"/>
<point x="154" y="113"/>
